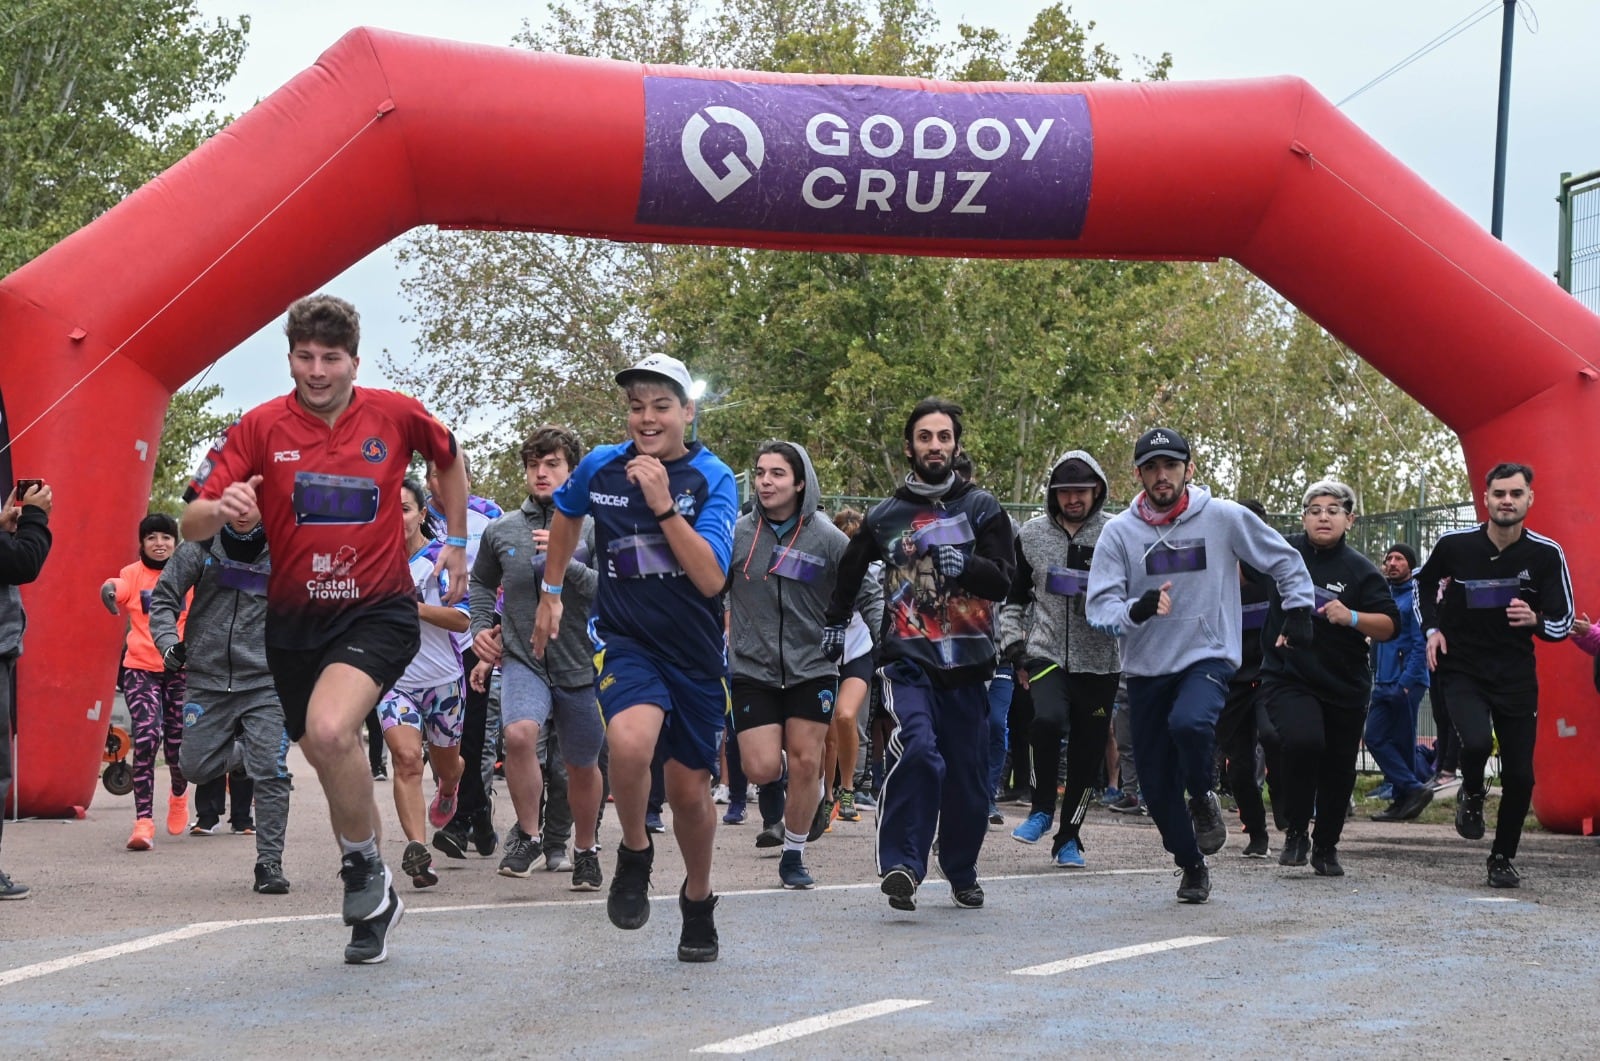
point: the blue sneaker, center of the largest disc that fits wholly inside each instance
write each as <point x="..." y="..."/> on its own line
<point x="1383" y="793"/>
<point x="792" y="872"/>
<point x="734" y="815"/>
<point x="654" y="824"/>
<point x="1110" y="795"/>
<point x="1031" y="830"/>
<point x="1069" y="857"/>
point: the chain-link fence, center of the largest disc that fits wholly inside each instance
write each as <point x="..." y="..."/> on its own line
<point x="1578" y="241"/>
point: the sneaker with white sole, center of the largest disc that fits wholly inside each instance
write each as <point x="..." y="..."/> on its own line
<point x="369" y="939"/>
<point x="1069" y="857"/>
<point x="1032" y="829"/>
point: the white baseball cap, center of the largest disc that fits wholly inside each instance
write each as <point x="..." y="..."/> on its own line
<point x="659" y="366"/>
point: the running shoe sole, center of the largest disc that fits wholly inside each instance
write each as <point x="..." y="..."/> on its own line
<point x="417" y="863"/>
<point x="901" y="888"/>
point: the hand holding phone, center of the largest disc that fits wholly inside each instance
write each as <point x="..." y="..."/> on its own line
<point x="25" y="485"/>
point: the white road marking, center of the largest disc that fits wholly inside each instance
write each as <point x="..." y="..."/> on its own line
<point x="206" y="928"/>
<point x="1494" y="899"/>
<point x="1083" y="961"/>
<point x="810" y="1026"/>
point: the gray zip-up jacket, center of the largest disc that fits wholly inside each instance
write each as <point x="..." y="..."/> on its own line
<point x="779" y="588"/>
<point x="1198" y="553"/>
<point x="1045" y="611"/>
<point x="508" y="561"/>
<point x="225" y="635"/>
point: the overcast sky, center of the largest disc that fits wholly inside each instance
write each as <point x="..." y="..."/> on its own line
<point x="1437" y="115"/>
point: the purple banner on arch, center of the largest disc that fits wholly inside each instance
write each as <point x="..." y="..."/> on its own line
<point x="865" y="160"/>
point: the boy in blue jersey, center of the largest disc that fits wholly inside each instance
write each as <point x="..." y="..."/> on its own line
<point x="663" y="513"/>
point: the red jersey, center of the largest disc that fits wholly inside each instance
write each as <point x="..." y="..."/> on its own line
<point x="330" y="502"/>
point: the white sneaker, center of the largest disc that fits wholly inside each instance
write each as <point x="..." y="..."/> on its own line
<point x="719" y="795"/>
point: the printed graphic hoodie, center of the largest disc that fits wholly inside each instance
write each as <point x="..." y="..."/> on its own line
<point x="1045" y="610"/>
<point x="1197" y="552"/>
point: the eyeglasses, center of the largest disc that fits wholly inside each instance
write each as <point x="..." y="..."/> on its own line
<point x="1331" y="510"/>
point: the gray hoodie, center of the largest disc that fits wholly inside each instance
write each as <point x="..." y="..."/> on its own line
<point x="225" y="634"/>
<point x="1045" y="611"/>
<point x="778" y="589"/>
<point x="508" y="561"/>
<point x="1198" y="553"/>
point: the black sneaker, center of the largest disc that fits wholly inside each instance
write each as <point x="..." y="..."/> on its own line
<point x="10" y="889"/>
<point x="1469" y="815"/>
<point x="1502" y="874"/>
<point x="1325" y="861"/>
<point x="451" y="841"/>
<point x="820" y="820"/>
<point x="1296" y="849"/>
<point x="698" y="940"/>
<point x="368" y="887"/>
<point x="417" y="863"/>
<point x="205" y="827"/>
<point x="1195" y="887"/>
<point x="380" y="773"/>
<point x="628" y="905"/>
<point x="369" y="939"/>
<point x="968" y="898"/>
<point x="1129" y="803"/>
<point x="900" y="885"/>
<point x="586" y="875"/>
<point x="483" y="834"/>
<point x="270" y="879"/>
<point x="1406" y="807"/>
<point x="770" y="836"/>
<point x="1258" y="847"/>
<point x="522" y="854"/>
<point x="1210" y="831"/>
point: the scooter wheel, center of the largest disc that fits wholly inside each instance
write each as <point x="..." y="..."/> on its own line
<point x="118" y="779"/>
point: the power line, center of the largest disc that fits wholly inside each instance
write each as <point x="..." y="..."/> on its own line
<point x="1443" y="38"/>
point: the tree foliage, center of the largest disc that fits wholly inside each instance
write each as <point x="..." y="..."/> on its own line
<point x="190" y="426"/>
<point x="832" y="349"/>
<point x="97" y="97"/>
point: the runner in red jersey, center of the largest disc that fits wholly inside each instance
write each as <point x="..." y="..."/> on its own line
<point x="325" y="466"/>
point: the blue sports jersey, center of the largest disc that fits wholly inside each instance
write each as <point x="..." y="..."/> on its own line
<point x="645" y="602"/>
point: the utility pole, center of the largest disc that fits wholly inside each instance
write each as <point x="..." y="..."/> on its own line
<point x="1507" y="28"/>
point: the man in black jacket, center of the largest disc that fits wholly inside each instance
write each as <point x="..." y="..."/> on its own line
<point x="1317" y="700"/>
<point x="949" y="556"/>
<point x="1507" y="586"/>
<point x="24" y="544"/>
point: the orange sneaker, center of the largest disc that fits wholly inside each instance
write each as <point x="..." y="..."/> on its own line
<point x="177" y="814"/>
<point x="144" y="835"/>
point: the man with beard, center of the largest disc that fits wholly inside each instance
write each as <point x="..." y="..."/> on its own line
<point x="1316" y="699"/>
<point x="1071" y="669"/>
<point x="949" y="555"/>
<point x="1507" y="586"/>
<point x="1166" y="581"/>
<point x="1399" y="680"/>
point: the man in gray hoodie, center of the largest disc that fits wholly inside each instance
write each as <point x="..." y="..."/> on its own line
<point x="1165" y="580"/>
<point x="230" y="693"/>
<point x="1070" y="668"/>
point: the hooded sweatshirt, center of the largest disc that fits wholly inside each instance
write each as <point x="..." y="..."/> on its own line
<point x="507" y="560"/>
<point x="22" y="556"/>
<point x="946" y="626"/>
<point x="1197" y="552"/>
<point x="1045" y="609"/>
<point x="226" y="624"/>
<point x="779" y="584"/>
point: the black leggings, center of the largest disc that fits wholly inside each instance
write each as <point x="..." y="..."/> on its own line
<point x="1318" y="742"/>
<point x="1077" y="708"/>
<point x="1479" y="716"/>
<point x="1236" y="739"/>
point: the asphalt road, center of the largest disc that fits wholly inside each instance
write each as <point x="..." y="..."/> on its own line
<point x="169" y="954"/>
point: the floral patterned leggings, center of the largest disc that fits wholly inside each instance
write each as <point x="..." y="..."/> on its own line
<point x="155" y="702"/>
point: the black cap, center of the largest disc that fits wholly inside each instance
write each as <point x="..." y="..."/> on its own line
<point x="1073" y="472"/>
<point x="1160" y="442"/>
<point x="1404" y="550"/>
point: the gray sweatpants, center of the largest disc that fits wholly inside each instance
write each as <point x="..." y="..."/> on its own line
<point x="222" y="731"/>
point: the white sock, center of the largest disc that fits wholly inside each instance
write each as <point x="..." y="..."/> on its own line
<point x="367" y="848"/>
<point x="794" y="841"/>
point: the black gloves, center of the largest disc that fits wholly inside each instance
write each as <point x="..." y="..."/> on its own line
<point x="833" y="642"/>
<point x="1145" y="606"/>
<point x="1297" y="627"/>
<point x="176" y="657"/>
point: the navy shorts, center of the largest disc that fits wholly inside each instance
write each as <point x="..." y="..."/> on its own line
<point x="696" y="709"/>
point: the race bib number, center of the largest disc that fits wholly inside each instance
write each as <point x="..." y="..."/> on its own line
<point x="1253" y="616"/>
<point x="953" y="530"/>
<point x="322" y="500"/>
<point x="145" y="597"/>
<point x="1490" y="592"/>
<point x="798" y="566"/>
<point x="1324" y="596"/>
<point x="246" y="578"/>
<point x="1173" y="557"/>
<point x="643" y="555"/>
<point x="1065" y="582"/>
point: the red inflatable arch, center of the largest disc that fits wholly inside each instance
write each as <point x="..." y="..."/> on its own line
<point x="387" y="132"/>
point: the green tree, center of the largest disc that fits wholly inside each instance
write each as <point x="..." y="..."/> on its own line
<point x="189" y="428"/>
<point x="99" y="96"/>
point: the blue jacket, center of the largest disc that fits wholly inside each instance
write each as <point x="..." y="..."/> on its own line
<point x="1403" y="661"/>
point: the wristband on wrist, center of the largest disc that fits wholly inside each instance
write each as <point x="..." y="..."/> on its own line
<point x="1355" y="617"/>
<point x="554" y="591"/>
<point x="668" y="514"/>
<point x="457" y="540"/>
